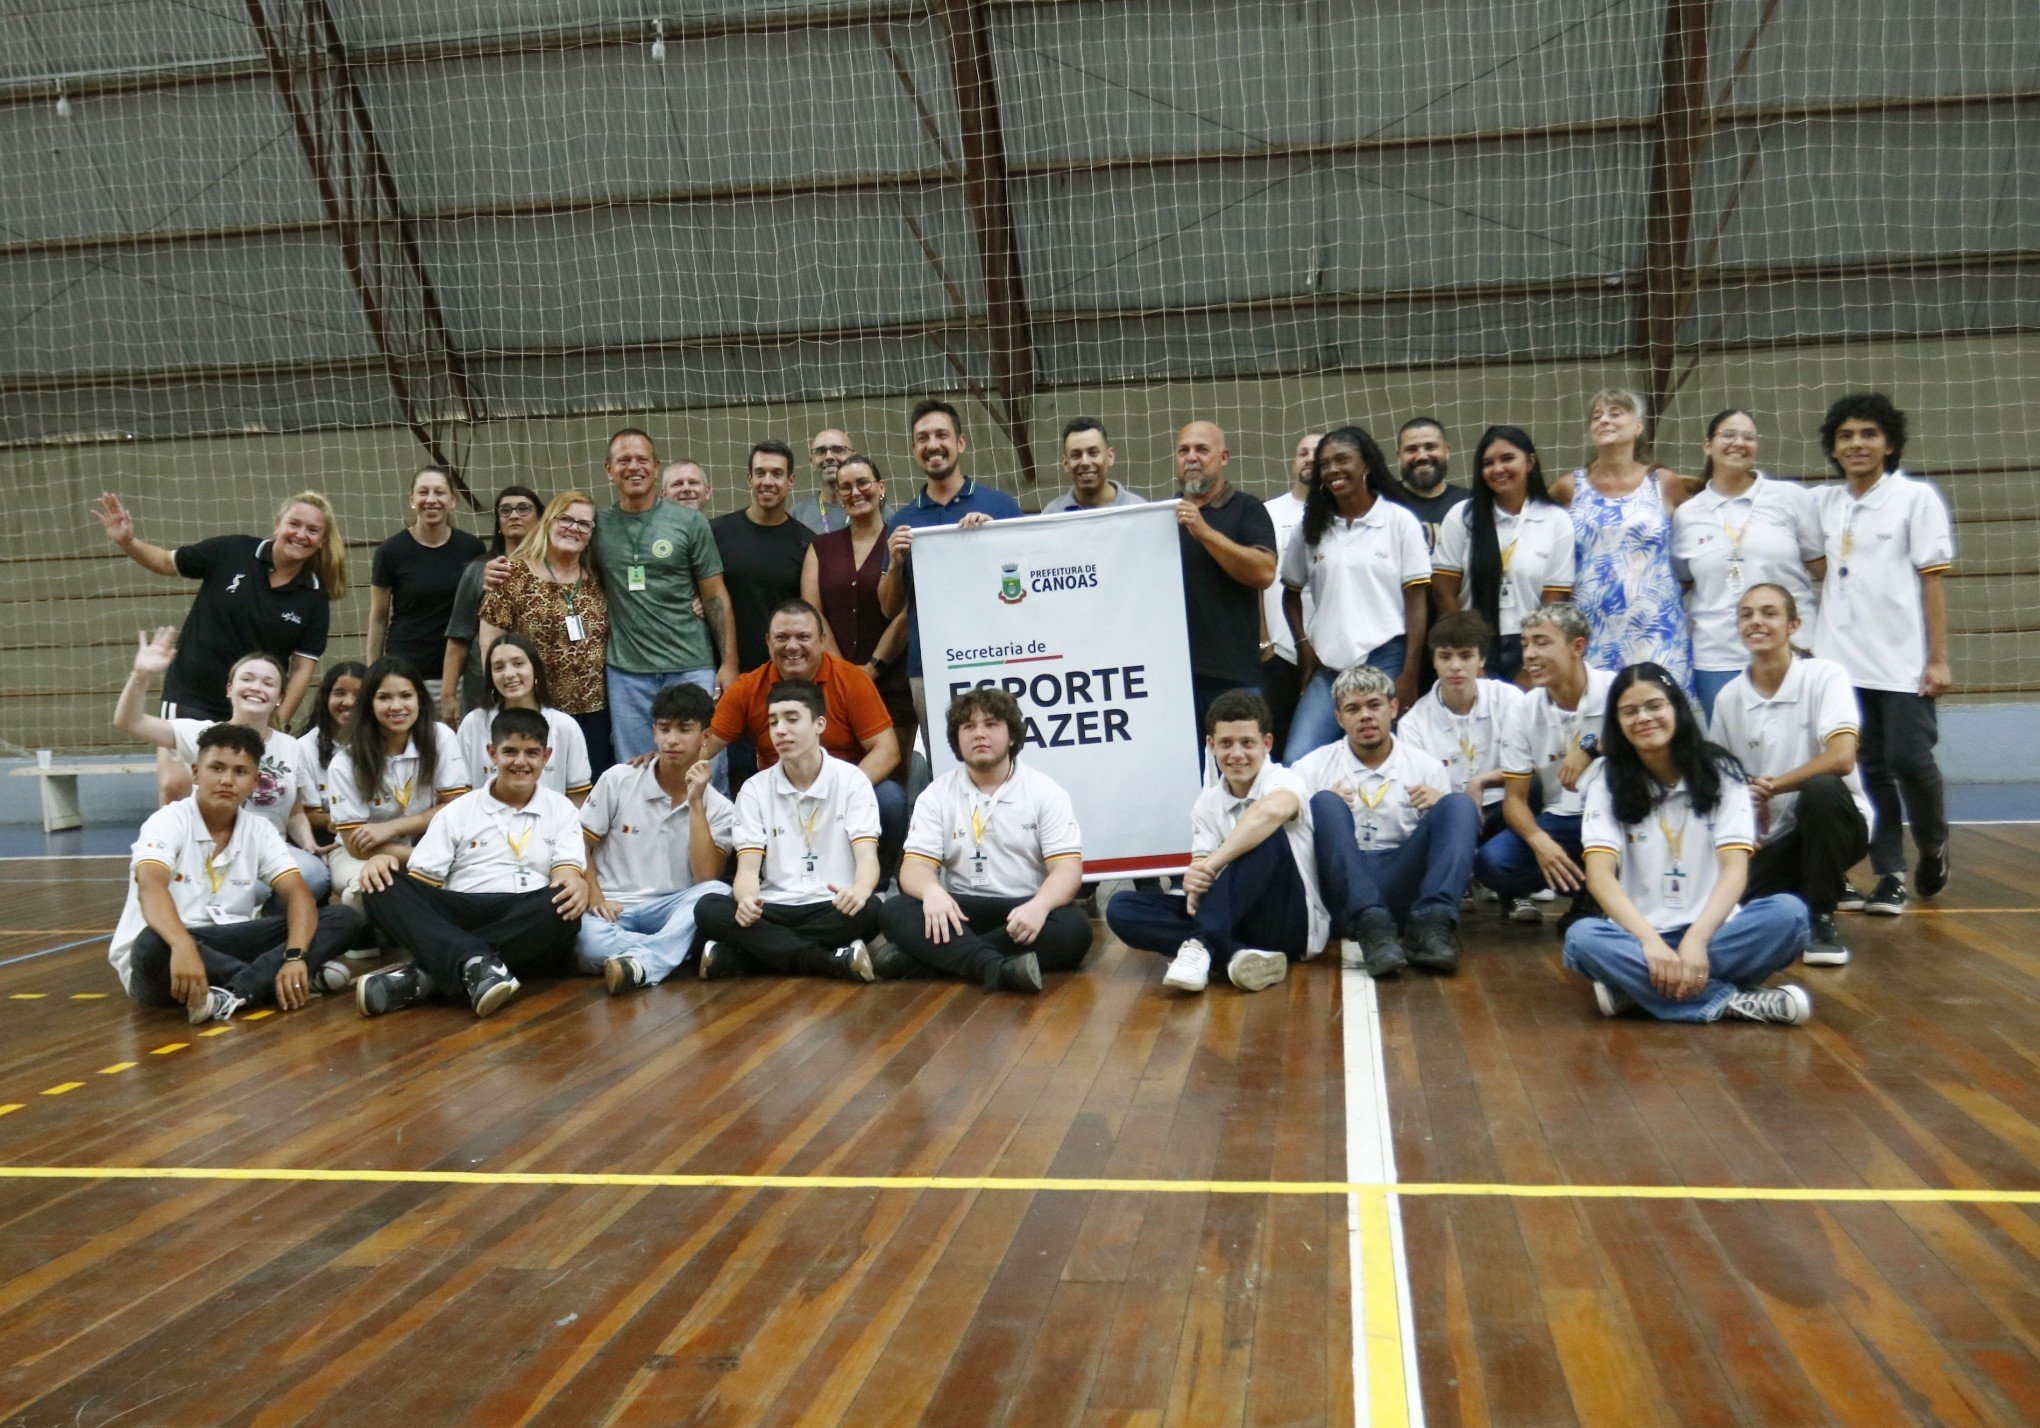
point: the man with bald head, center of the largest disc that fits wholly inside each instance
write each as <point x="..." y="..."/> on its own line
<point x="830" y="448"/>
<point x="684" y="483"/>
<point x="1228" y="560"/>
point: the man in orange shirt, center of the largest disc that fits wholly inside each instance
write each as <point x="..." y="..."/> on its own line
<point x="858" y="730"/>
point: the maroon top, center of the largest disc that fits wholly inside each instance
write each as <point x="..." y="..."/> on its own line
<point x="850" y="603"/>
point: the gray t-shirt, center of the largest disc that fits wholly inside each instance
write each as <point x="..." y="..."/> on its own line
<point x="1067" y="501"/>
<point x="665" y="552"/>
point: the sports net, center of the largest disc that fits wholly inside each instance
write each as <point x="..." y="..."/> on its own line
<point x="253" y="247"/>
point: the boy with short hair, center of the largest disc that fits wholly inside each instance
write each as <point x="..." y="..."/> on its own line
<point x="492" y="890"/>
<point x="658" y="838"/>
<point x="201" y="870"/>
<point x="994" y="860"/>
<point x="1250" y="897"/>
<point x="1460" y="721"/>
<point x="807" y="858"/>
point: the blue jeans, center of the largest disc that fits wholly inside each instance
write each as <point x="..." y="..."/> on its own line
<point x="630" y="705"/>
<point x="1758" y="938"/>
<point x="1425" y="877"/>
<point x="1708" y="684"/>
<point x="1316" y="722"/>
<point x="658" y="932"/>
<point x="1257" y="901"/>
<point x="1505" y="657"/>
<point x="892" y="826"/>
<point x="1506" y="866"/>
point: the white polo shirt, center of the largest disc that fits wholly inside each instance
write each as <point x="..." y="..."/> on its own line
<point x="1667" y="862"/>
<point x="996" y="844"/>
<point x="640" y="837"/>
<point x="483" y="845"/>
<point x="1814" y="702"/>
<point x="1216" y="812"/>
<point x="1468" y="744"/>
<point x="1383" y="816"/>
<point x="1722" y="545"/>
<point x="1873" y="623"/>
<point x="1356" y="576"/>
<point x="566" y="766"/>
<point x="1287" y="514"/>
<point x="208" y="883"/>
<point x="399" y="794"/>
<point x="313" y="788"/>
<point x="1537" y="555"/>
<point x="806" y="837"/>
<point x="1539" y="735"/>
<point x="281" y="779"/>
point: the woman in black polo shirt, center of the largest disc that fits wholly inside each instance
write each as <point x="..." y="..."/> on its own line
<point x="269" y="595"/>
<point x="417" y="573"/>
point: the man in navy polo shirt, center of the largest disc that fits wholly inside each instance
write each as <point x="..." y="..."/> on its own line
<point x="949" y="498"/>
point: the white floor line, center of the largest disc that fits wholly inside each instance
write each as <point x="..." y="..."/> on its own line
<point x="1385" y="1387"/>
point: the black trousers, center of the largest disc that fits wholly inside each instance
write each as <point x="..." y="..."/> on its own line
<point x="1812" y="858"/>
<point x="1281" y="688"/>
<point x="1897" y="754"/>
<point x="1061" y="945"/>
<point x="243" y="957"/>
<point x="443" y="931"/>
<point x="789" y="938"/>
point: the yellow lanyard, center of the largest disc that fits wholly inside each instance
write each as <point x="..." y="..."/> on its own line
<point x="978" y="824"/>
<point x="518" y="845"/>
<point x="1509" y="554"/>
<point x="402" y="793"/>
<point x="1849" y="532"/>
<point x="1735" y="537"/>
<point x="807" y="827"/>
<point x="214" y="876"/>
<point x="1379" y="794"/>
<point x="1675" y="842"/>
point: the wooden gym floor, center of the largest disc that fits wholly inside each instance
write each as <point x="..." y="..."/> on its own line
<point x="740" y="1203"/>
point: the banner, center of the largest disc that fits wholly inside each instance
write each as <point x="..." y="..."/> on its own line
<point x="1080" y="617"/>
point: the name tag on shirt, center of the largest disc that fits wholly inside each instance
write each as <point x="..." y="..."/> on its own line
<point x="219" y="914"/>
<point x="1672" y="889"/>
<point x="576" y="631"/>
<point x="1735" y="575"/>
<point x="634" y="575"/>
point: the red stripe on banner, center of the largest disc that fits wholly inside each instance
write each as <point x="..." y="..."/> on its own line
<point x="1033" y="659"/>
<point x="1156" y="863"/>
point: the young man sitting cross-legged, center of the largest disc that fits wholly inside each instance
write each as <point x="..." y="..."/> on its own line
<point x="202" y="869"/>
<point x="807" y="858"/>
<point x="492" y="891"/>
<point x="658" y="836"/>
<point x="993" y="861"/>
<point x="1250" y="898"/>
<point x="1393" y="845"/>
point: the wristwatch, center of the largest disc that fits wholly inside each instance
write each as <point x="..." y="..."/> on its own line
<point x="293" y="954"/>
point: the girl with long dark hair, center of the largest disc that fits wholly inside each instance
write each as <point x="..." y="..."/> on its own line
<point x="1666" y="837"/>
<point x="400" y="767"/>
<point x="325" y="734"/>
<point x="517" y="681"/>
<point x="1509" y="549"/>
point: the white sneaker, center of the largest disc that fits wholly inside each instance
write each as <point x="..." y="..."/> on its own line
<point x="1543" y="895"/>
<point x="1612" y="1001"/>
<point x="1191" y="971"/>
<point x="1788" y="1005"/>
<point x="220" y="1005"/>
<point x="1352" y="956"/>
<point x="1252" y="970"/>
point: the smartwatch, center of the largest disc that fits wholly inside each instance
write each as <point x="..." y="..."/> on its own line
<point x="293" y="954"/>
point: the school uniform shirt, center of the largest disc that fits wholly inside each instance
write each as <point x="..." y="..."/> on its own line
<point x="1667" y="862"/>
<point x="1216" y="812"/>
<point x="1286" y="512"/>
<point x="1356" y="576"/>
<point x="281" y="779"/>
<point x="1873" y="623"/>
<point x="1468" y="744"/>
<point x="996" y="844"/>
<point x="312" y="787"/>
<point x="1383" y="816"/>
<point x="639" y="837"/>
<point x="807" y="836"/>
<point x="208" y="883"/>
<point x="349" y="807"/>
<point x="566" y="766"/>
<point x="482" y="845"/>
<point x="1538" y="736"/>
<point x="1537" y="555"/>
<point x="1722" y="545"/>
<point x="1773" y="736"/>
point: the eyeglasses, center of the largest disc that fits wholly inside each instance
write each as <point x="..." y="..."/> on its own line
<point x="517" y="508"/>
<point x="572" y="523"/>
<point x="857" y="487"/>
<point x="1649" y="709"/>
<point x="828" y="450"/>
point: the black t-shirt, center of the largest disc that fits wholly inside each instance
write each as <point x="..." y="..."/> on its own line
<point x="1224" y="615"/>
<point x="237" y="613"/>
<point x="761" y="567"/>
<point x="1430" y="510"/>
<point x="422" y="581"/>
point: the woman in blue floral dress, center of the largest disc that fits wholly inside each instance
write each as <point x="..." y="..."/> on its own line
<point x="1622" y="533"/>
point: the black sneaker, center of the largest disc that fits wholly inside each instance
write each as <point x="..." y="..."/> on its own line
<point x="1888" y="899"/>
<point x="391" y="989"/>
<point x="489" y="985"/>
<point x="850" y="964"/>
<point x="890" y="962"/>
<point x="719" y="960"/>
<point x="1376" y="950"/>
<point x="1583" y="905"/>
<point x="1930" y="878"/>
<point x="1825" y="949"/>
<point x="1431" y="947"/>
<point x="622" y="974"/>
<point x="1021" y="973"/>
<point x="1850" y="900"/>
<point x="220" y="1005"/>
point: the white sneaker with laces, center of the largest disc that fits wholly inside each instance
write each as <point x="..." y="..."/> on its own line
<point x="220" y="1005"/>
<point x="1788" y="1005"/>
<point x="1252" y="970"/>
<point x="1191" y="971"/>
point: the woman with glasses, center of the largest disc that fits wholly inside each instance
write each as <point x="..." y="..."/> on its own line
<point x="840" y="578"/>
<point x="462" y="683"/>
<point x="553" y="595"/>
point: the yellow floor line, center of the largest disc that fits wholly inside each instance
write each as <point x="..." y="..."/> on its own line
<point x="1790" y="1194"/>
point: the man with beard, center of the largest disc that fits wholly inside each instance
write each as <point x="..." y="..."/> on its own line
<point x="1425" y="461"/>
<point x="830" y="448"/>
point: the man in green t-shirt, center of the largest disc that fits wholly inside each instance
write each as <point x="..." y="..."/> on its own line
<point x="657" y="556"/>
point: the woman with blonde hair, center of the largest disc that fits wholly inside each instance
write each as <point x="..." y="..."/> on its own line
<point x="269" y="595"/>
<point x="553" y="595"/>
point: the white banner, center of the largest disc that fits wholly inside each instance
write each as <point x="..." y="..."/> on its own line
<point x="1080" y="617"/>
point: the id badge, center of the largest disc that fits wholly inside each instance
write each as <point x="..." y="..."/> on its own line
<point x="576" y="631"/>
<point x="1735" y="576"/>
<point x="1367" y="832"/>
<point x="975" y="868"/>
<point x="809" y="863"/>
<point x="219" y="914"/>
<point x="1672" y="889"/>
<point x="1508" y="594"/>
<point x="634" y="575"/>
